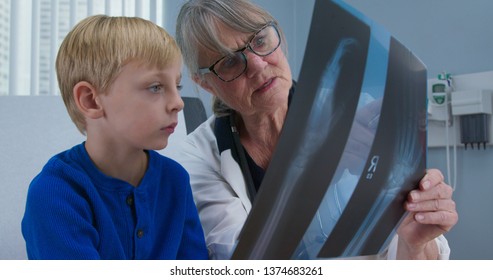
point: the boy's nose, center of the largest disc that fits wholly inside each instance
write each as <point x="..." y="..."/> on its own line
<point x="175" y="102"/>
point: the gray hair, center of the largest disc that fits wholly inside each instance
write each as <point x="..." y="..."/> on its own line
<point x="196" y="30"/>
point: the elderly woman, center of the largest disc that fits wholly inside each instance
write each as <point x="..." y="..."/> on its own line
<point x="235" y="50"/>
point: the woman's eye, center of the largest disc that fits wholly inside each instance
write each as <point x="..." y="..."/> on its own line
<point x="179" y="87"/>
<point x="230" y="62"/>
<point x="259" y="41"/>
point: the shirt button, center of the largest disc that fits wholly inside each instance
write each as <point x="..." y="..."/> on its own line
<point x="140" y="233"/>
<point x="130" y="200"/>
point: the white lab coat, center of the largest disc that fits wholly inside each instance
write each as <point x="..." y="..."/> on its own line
<point x="221" y="197"/>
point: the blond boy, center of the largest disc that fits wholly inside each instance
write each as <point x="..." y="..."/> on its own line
<point x="113" y="196"/>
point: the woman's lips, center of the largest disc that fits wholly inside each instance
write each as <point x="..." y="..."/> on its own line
<point x="266" y="86"/>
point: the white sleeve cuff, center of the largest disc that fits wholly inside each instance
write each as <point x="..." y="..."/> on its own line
<point x="442" y="244"/>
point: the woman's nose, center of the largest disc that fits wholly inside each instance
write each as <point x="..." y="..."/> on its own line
<point x="255" y="63"/>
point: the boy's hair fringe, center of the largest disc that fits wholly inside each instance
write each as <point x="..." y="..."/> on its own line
<point x="97" y="48"/>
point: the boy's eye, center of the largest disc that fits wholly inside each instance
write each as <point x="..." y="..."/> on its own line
<point x="155" y="88"/>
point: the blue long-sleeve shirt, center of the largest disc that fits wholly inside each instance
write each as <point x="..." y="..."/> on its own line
<point x="74" y="211"/>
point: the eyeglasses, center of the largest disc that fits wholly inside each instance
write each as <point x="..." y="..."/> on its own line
<point x="229" y="67"/>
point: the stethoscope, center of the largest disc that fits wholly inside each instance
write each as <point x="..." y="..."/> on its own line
<point x="240" y="151"/>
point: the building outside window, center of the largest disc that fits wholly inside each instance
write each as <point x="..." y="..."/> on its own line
<point x="31" y="32"/>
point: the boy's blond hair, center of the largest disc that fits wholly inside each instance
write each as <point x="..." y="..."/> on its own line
<point x="99" y="46"/>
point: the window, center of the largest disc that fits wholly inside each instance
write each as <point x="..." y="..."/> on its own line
<point x="31" y="32"/>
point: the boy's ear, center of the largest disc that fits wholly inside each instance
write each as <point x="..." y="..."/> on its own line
<point x="202" y="83"/>
<point x="87" y="100"/>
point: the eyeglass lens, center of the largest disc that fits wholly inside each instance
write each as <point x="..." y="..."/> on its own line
<point x="264" y="43"/>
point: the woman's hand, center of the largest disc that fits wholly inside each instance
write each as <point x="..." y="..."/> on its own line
<point x="431" y="213"/>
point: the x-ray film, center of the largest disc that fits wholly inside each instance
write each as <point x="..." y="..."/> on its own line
<point x="353" y="145"/>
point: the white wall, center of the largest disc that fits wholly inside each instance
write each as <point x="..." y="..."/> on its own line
<point x="451" y="35"/>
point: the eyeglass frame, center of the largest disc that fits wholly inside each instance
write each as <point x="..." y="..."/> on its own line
<point x="210" y="69"/>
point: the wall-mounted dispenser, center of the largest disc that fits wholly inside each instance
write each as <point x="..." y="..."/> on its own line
<point x="439" y="102"/>
<point x="474" y="108"/>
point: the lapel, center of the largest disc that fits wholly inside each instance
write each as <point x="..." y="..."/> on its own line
<point x="232" y="174"/>
<point x="230" y="167"/>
